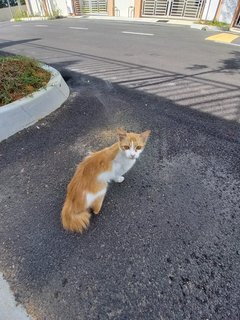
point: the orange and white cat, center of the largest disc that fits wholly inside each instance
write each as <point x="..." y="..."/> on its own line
<point x="87" y="189"/>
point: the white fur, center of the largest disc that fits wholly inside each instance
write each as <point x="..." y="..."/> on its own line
<point x="91" y="197"/>
<point x="119" y="179"/>
<point x="120" y="165"/>
<point x="132" y="153"/>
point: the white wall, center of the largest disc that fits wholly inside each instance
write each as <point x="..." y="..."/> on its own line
<point x="36" y="8"/>
<point x="62" y="6"/>
<point x="69" y="6"/>
<point x="123" y="8"/>
<point x="210" y="10"/>
<point x="227" y="11"/>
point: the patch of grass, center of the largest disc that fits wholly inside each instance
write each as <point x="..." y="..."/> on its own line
<point x="215" y="23"/>
<point x="19" y="15"/>
<point x="19" y="77"/>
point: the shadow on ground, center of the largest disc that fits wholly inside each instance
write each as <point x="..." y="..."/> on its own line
<point x="4" y="43"/>
<point x="198" y="89"/>
<point x="166" y="243"/>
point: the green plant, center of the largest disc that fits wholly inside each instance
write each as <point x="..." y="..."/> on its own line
<point x="20" y="76"/>
<point x="20" y="14"/>
<point x="214" y="23"/>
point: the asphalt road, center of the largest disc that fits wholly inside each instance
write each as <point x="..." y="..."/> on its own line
<point x="167" y="244"/>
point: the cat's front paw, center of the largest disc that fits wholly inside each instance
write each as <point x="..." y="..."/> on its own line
<point x="119" y="179"/>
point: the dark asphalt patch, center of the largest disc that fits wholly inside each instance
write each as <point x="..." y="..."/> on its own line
<point x="166" y="245"/>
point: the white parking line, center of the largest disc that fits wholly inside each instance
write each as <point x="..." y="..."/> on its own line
<point x="139" y="33"/>
<point x="16" y="25"/>
<point x="41" y="25"/>
<point x="79" y="28"/>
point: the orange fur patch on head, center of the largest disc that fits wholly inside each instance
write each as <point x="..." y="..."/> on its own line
<point x="126" y="139"/>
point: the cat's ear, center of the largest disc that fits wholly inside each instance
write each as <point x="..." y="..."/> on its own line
<point x="145" y="135"/>
<point x="121" y="133"/>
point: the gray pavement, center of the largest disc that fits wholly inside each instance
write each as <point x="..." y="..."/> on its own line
<point x="166" y="245"/>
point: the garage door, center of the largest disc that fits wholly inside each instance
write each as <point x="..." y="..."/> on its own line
<point x="94" y="6"/>
<point x="173" y="8"/>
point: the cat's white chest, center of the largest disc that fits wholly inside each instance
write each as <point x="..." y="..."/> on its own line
<point x="120" y="165"/>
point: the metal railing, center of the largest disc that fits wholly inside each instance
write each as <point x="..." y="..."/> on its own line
<point x="94" y="6"/>
<point x="173" y="8"/>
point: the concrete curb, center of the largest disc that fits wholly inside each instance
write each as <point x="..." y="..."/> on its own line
<point x="9" y="309"/>
<point x="235" y="30"/>
<point x="30" y="19"/>
<point x="143" y="20"/>
<point x="36" y="19"/>
<point x="25" y="112"/>
<point x="206" y="27"/>
<point x="113" y="18"/>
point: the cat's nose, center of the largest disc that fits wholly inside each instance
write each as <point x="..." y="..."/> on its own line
<point x="132" y="155"/>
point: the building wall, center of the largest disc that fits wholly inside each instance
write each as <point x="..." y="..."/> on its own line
<point x="64" y="7"/>
<point x="36" y="8"/>
<point x="69" y="6"/>
<point x="60" y="6"/>
<point x="210" y="10"/>
<point x="124" y="8"/>
<point x="227" y="10"/>
<point x="6" y="14"/>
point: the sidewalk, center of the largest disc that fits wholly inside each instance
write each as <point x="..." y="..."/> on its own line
<point x="10" y="310"/>
<point x="144" y="20"/>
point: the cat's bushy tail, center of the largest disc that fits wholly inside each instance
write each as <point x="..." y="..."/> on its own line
<point x="73" y="219"/>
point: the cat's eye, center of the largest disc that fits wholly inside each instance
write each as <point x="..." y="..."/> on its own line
<point x="126" y="147"/>
<point x="138" y="148"/>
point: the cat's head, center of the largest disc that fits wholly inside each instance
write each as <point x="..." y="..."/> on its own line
<point x="132" y="143"/>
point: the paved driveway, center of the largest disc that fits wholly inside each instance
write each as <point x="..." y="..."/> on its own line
<point x="166" y="245"/>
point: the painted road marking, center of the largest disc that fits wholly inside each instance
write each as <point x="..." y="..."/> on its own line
<point x="41" y="25"/>
<point x="16" y="25"/>
<point x="78" y="28"/>
<point x="139" y="33"/>
<point x="223" y="37"/>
